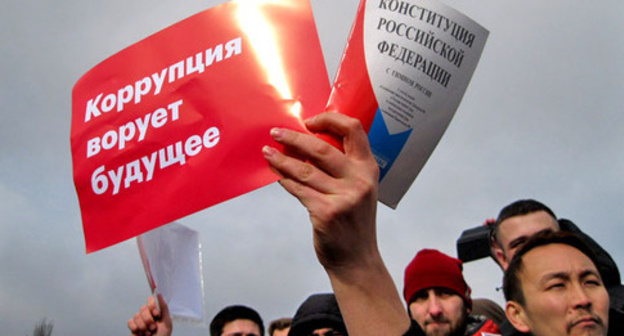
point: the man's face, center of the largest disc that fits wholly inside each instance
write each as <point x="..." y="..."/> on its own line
<point x="563" y="293"/>
<point x="281" y="332"/>
<point x="241" y="328"/>
<point x="514" y="231"/>
<point x="326" y="332"/>
<point x="439" y="312"/>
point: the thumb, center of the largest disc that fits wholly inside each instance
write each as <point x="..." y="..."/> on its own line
<point x="164" y="309"/>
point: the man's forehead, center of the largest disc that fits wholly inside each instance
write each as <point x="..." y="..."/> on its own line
<point x="556" y="261"/>
<point x="527" y="225"/>
<point x="241" y="324"/>
<point x="438" y="290"/>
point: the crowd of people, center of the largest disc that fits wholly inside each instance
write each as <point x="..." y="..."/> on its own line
<point x="557" y="280"/>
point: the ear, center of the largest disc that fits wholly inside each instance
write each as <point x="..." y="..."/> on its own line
<point x="499" y="254"/>
<point x="517" y="316"/>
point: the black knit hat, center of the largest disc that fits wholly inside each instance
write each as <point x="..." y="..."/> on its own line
<point x="316" y="312"/>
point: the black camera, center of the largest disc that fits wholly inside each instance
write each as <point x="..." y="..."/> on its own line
<point x="474" y="243"/>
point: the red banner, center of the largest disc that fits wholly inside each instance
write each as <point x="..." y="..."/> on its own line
<point x="175" y="123"/>
<point x="352" y="93"/>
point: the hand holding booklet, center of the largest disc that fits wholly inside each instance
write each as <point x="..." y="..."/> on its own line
<point x="175" y="123"/>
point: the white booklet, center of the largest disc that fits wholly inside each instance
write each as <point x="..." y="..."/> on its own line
<point x="420" y="56"/>
<point x="171" y="256"/>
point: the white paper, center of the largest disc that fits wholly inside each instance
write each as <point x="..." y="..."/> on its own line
<point x="420" y="56"/>
<point x="172" y="260"/>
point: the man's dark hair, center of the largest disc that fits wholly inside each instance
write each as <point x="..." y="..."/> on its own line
<point x="318" y="311"/>
<point x="279" y="324"/>
<point x="511" y="281"/>
<point x="231" y="313"/>
<point x="519" y="208"/>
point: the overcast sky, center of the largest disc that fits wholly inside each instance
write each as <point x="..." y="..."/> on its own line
<point x="543" y="118"/>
